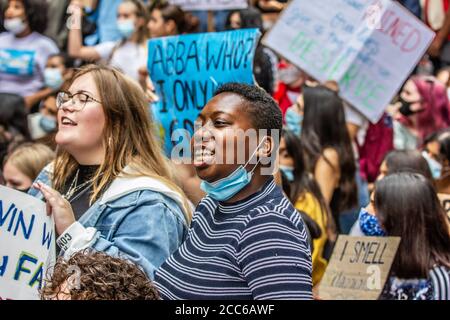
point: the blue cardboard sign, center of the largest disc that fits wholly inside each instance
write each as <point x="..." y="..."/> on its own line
<point x="187" y="69"/>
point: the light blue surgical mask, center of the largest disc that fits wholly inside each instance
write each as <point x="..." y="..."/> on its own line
<point x="126" y="28"/>
<point x="53" y="78"/>
<point x="435" y="166"/>
<point x="370" y="225"/>
<point x="48" y="124"/>
<point x="225" y="188"/>
<point x="288" y="172"/>
<point x="294" y="121"/>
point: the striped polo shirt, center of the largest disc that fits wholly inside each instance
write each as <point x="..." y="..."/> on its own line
<point x="256" y="248"/>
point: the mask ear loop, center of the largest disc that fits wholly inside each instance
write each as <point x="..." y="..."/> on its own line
<point x="251" y="172"/>
<point x="259" y="160"/>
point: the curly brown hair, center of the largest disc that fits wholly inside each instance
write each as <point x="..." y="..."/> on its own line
<point x="101" y="277"/>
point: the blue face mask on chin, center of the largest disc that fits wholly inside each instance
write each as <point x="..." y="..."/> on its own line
<point x="288" y="172"/>
<point x="225" y="188"/>
<point x="370" y="225"/>
<point x="294" y="121"/>
<point x="435" y="166"/>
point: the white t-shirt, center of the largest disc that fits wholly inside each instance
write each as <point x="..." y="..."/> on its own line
<point x="22" y="62"/>
<point x="128" y="57"/>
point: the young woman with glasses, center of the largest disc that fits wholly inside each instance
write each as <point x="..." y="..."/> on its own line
<point x="110" y="187"/>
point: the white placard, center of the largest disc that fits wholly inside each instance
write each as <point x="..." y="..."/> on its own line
<point x="27" y="245"/>
<point x="368" y="47"/>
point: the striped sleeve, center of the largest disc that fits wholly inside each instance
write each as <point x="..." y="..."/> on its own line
<point x="274" y="258"/>
<point x="441" y="283"/>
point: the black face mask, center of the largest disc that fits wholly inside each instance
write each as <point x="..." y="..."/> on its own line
<point x="405" y="108"/>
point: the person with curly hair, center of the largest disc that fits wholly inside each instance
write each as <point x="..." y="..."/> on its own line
<point x="91" y="275"/>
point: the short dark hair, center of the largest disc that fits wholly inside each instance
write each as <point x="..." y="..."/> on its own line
<point x="303" y="182"/>
<point x="36" y="12"/>
<point x="324" y="126"/>
<point x="263" y="110"/>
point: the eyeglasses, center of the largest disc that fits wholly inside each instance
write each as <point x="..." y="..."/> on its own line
<point x="78" y="100"/>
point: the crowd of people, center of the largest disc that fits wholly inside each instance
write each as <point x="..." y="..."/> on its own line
<point x="77" y="131"/>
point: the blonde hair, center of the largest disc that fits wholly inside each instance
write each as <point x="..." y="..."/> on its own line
<point x="128" y="137"/>
<point x="30" y="158"/>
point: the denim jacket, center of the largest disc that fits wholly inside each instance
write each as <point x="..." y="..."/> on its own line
<point x="136" y="218"/>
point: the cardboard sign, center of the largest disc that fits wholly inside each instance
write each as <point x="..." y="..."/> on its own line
<point x="210" y="5"/>
<point x="27" y="245"/>
<point x="358" y="268"/>
<point x="368" y="47"/>
<point x="186" y="70"/>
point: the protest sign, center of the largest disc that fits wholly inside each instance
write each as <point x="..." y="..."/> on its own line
<point x="368" y="47"/>
<point x="358" y="268"/>
<point x="211" y="5"/>
<point x="187" y="69"/>
<point x="27" y="245"/>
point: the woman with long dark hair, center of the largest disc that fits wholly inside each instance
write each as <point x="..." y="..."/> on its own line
<point x="395" y="161"/>
<point x="406" y="206"/>
<point x="328" y="150"/>
<point x="305" y="194"/>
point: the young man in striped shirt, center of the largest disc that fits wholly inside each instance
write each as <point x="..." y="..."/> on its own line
<point x="246" y="240"/>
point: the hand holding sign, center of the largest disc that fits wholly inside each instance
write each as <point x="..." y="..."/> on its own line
<point x="57" y="206"/>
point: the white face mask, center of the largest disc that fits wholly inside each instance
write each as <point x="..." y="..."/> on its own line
<point x="289" y="75"/>
<point x="15" y="25"/>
